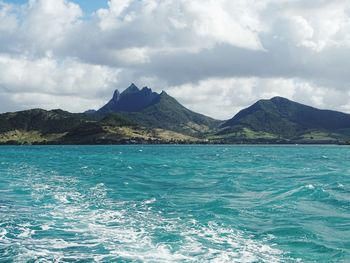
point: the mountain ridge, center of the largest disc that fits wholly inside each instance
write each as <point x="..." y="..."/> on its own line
<point x="143" y="116"/>
<point x="157" y="110"/>
<point x="288" y="120"/>
<point x="131" y="99"/>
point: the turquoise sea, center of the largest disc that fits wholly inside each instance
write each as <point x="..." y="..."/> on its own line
<point x="175" y="204"/>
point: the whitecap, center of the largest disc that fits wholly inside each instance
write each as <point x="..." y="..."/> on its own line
<point x="61" y="197"/>
<point x="3" y="233"/>
<point x="340" y="185"/>
<point x="150" y="201"/>
<point x="310" y="186"/>
<point x="127" y="231"/>
<point x="45" y="227"/>
<point x="26" y="232"/>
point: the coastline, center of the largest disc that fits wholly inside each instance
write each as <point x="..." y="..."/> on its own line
<point x="177" y="143"/>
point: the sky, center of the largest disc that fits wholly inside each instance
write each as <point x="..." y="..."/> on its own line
<point x="214" y="56"/>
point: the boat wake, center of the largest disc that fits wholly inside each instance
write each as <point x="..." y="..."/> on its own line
<point x="73" y="220"/>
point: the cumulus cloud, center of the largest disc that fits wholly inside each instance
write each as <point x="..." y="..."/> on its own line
<point x="224" y="53"/>
<point x="49" y="21"/>
<point x="47" y="75"/>
<point x="237" y="93"/>
<point x="48" y="83"/>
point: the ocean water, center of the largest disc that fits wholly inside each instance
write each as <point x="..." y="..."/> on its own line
<point x="175" y="204"/>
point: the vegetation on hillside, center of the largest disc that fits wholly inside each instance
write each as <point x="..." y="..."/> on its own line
<point x="166" y="121"/>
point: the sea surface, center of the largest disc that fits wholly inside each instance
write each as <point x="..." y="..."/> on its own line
<point x="175" y="204"/>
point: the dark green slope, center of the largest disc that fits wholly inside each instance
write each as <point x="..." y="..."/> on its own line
<point x="282" y="119"/>
<point x="130" y="100"/>
<point x="116" y="128"/>
<point x="168" y="113"/>
<point x="54" y="121"/>
<point x="39" y="126"/>
<point x="133" y="116"/>
<point x="154" y="110"/>
<point x="166" y="121"/>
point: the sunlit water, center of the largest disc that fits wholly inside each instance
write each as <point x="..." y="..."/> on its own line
<point x="175" y="204"/>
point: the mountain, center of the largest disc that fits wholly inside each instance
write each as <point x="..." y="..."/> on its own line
<point x="54" y="121"/>
<point x="130" y="100"/>
<point x="280" y="119"/>
<point x="39" y="126"/>
<point x="135" y="115"/>
<point x="154" y="110"/>
<point x="144" y="116"/>
<point x="36" y="125"/>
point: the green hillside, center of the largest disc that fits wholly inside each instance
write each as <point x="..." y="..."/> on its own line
<point x="165" y="120"/>
<point x="169" y="114"/>
<point x="153" y="110"/>
<point x="282" y="120"/>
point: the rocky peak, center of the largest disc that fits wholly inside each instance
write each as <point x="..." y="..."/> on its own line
<point x="131" y="99"/>
<point x="131" y="89"/>
<point x="116" y="95"/>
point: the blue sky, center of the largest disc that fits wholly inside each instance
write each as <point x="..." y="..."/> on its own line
<point x="88" y="6"/>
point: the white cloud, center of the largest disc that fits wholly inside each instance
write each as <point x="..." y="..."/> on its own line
<point x="222" y="21"/>
<point x="50" y="77"/>
<point x="49" y="101"/>
<point x="111" y="17"/>
<point x="131" y="55"/>
<point x="316" y="25"/>
<point x="222" y="98"/>
<point x="297" y="30"/>
<point x="203" y="23"/>
<point x="221" y="53"/>
<point x="47" y="22"/>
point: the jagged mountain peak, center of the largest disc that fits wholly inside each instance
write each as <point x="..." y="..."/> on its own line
<point x="160" y="110"/>
<point x="116" y="95"/>
<point x="146" y="89"/>
<point x="131" y="99"/>
<point x="131" y="89"/>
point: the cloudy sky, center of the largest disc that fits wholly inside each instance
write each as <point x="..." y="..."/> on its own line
<point x="214" y="56"/>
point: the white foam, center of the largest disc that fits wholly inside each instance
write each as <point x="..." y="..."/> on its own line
<point x="340" y="185"/>
<point x="61" y="197"/>
<point x="129" y="230"/>
<point x="150" y="201"/>
<point x="45" y="227"/>
<point x="26" y="232"/>
<point x="3" y="233"/>
<point x="310" y="186"/>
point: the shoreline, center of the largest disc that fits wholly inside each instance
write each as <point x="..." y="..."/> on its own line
<point x="176" y="144"/>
